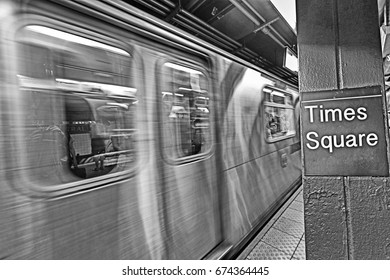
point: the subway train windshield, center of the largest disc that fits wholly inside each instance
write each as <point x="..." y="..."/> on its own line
<point x="79" y="103"/>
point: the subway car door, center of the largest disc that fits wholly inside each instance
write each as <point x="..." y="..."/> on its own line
<point x="187" y="153"/>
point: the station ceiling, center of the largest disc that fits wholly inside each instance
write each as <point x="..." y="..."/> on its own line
<point x="253" y="30"/>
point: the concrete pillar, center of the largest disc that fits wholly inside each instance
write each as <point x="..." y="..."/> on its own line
<point x="344" y="130"/>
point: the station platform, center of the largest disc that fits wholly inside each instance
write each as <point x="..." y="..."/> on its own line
<point x="283" y="237"/>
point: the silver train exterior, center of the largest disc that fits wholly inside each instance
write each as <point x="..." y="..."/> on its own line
<point x="125" y="138"/>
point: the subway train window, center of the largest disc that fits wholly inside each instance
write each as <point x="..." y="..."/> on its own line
<point x="279" y="121"/>
<point x="79" y="106"/>
<point x="186" y="115"/>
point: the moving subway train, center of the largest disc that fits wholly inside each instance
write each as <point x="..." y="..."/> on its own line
<point x="121" y="139"/>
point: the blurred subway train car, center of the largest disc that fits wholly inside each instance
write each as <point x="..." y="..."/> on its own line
<point x="124" y="138"/>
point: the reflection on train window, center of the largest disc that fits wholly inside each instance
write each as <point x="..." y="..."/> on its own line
<point x="279" y="121"/>
<point x="79" y="106"/>
<point x="186" y="116"/>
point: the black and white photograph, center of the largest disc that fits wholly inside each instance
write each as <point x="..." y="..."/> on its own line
<point x="183" y="139"/>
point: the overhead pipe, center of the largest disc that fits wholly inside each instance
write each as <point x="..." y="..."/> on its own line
<point x="196" y="25"/>
<point x="222" y="13"/>
<point x="151" y="7"/>
<point x="245" y="12"/>
<point x="207" y="36"/>
<point x="180" y="16"/>
<point x="210" y="39"/>
<point x="186" y="16"/>
<point x="265" y="25"/>
<point x="159" y="5"/>
<point x="183" y="17"/>
<point x="223" y="41"/>
<point x="169" y="3"/>
<point x="285" y="44"/>
<point x="189" y="21"/>
<point x="194" y="5"/>
<point x="261" y="27"/>
<point x="177" y="10"/>
<point x="255" y="20"/>
<point x="159" y="8"/>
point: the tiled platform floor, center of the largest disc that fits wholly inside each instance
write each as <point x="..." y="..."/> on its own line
<point x="283" y="238"/>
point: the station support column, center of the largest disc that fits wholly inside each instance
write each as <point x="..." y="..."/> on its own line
<point x="344" y="130"/>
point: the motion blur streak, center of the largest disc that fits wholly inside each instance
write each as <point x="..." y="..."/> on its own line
<point x="120" y="140"/>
